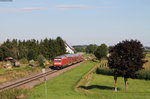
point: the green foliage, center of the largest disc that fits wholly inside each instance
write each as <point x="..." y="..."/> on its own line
<point x="104" y="71"/>
<point x="79" y="48"/>
<point x="143" y="74"/>
<point x="101" y="51"/>
<point x="41" y="59"/>
<point x="4" y="52"/>
<point x="60" y="46"/>
<point x="126" y="58"/>
<point x="91" y="48"/>
<point x="24" y="61"/>
<point x="30" y="49"/>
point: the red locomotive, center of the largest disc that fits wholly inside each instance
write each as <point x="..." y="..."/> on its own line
<point x="66" y="60"/>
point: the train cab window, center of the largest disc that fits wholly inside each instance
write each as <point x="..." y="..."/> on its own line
<point x="58" y="60"/>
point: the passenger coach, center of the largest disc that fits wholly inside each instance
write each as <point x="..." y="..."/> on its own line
<point x="66" y="60"/>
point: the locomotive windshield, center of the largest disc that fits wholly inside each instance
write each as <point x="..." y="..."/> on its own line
<point x="58" y="60"/>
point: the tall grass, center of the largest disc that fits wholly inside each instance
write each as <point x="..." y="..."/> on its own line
<point x="13" y="93"/>
<point x="17" y="73"/>
<point x="147" y="64"/>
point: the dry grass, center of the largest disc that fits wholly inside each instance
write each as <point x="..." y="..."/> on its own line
<point x="17" y="73"/>
<point x="147" y="65"/>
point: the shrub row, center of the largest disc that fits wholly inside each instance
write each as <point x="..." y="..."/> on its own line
<point x="141" y="74"/>
<point x="104" y="71"/>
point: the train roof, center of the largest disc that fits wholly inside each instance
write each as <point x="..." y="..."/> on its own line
<point x="69" y="55"/>
<point x="62" y="57"/>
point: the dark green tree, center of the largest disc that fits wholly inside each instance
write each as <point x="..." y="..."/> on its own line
<point x="5" y="52"/>
<point x="126" y="58"/>
<point x="60" y="46"/>
<point x="91" y="48"/>
<point x="101" y="51"/>
<point x="30" y="49"/>
<point x="79" y="49"/>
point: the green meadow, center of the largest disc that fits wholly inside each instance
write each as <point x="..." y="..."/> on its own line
<point x="99" y="87"/>
<point x="62" y="87"/>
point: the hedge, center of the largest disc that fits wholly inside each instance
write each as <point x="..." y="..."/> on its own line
<point x="141" y="74"/>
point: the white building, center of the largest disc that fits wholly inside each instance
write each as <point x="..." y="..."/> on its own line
<point x="69" y="49"/>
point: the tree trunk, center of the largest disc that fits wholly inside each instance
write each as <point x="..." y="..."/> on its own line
<point x="126" y="83"/>
<point x="115" y="78"/>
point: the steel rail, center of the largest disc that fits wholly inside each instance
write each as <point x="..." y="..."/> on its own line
<point x="26" y="80"/>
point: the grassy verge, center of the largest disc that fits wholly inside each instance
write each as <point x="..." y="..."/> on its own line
<point x="13" y="93"/>
<point x="16" y="73"/>
<point x="86" y="80"/>
<point x="62" y="87"/>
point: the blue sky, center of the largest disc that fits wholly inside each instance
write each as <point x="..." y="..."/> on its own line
<point x="76" y="21"/>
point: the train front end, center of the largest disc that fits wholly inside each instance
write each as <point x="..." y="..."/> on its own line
<point x="59" y="62"/>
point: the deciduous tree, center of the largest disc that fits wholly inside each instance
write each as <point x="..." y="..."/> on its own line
<point x="126" y="58"/>
<point x="101" y="51"/>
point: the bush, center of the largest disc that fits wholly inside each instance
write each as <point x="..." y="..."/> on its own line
<point x="41" y="59"/>
<point x="24" y="61"/>
<point x="143" y="74"/>
<point x="104" y="71"/>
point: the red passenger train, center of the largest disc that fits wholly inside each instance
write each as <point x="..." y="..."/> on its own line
<point x="66" y="60"/>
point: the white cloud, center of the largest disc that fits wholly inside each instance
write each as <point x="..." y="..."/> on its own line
<point x="78" y="6"/>
<point x="58" y="7"/>
<point x="20" y="9"/>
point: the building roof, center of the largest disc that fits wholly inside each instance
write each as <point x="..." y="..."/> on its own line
<point x="69" y="45"/>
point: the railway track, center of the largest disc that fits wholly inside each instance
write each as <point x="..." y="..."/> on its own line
<point x="40" y="77"/>
<point x="26" y="80"/>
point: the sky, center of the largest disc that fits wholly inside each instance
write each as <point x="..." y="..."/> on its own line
<point x="78" y="22"/>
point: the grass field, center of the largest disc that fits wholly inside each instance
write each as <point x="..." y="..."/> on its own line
<point x="100" y="87"/>
<point x="63" y="86"/>
<point x="103" y="86"/>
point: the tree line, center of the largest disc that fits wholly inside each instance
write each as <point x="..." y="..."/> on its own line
<point x="31" y="49"/>
<point x="99" y="51"/>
